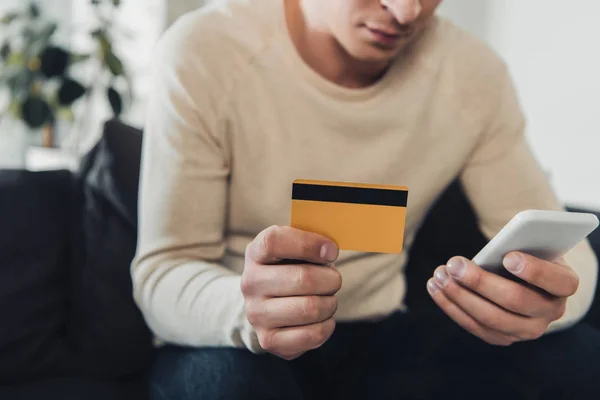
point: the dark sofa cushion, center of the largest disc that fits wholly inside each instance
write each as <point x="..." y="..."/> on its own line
<point x="107" y="329"/>
<point x="71" y="389"/>
<point x="35" y="236"/>
<point x="70" y="327"/>
<point x="112" y="169"/>
<point x="593" y="315"/>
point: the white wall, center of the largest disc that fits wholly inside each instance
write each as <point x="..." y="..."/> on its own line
<point x="473" y="15"/>
<point x="551" y="47"/>
<point x="176" y="8"/>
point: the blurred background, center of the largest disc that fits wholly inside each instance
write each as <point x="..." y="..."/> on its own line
<point x="551" y="47"/>
<point x="103" y="49"/>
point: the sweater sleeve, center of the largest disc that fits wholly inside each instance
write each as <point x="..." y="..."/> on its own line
<point x="502" y="178"/>
<point x="185" y="294"/>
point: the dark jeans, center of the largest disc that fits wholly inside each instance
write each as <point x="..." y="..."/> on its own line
<point x="403" y="357"/>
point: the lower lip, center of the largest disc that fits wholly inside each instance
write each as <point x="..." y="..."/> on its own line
<point x="383" y="38"/>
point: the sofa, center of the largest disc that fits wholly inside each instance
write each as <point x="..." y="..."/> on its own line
<point x="69" y="326"/>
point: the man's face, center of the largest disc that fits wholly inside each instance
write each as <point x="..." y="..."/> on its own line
<point x="376" y="30"/>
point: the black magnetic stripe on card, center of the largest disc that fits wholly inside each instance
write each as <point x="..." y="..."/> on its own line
<point x="353" y="195"/>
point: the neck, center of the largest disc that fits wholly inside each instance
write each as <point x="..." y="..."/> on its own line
<point x="323" y="53"/>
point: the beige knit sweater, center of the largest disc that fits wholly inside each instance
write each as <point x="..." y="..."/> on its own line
<point x="235" y="116"/>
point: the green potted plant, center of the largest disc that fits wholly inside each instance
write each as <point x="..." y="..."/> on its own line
<point x="39" y="76"/>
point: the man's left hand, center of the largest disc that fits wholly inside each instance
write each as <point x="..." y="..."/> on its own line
<point x="498" y="310"/>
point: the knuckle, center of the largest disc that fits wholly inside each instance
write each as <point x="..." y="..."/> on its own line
<point x="538" y="331"/>
<point x="501" y="340"/>
<point x="329" y="307"/>
<point x="266" y="339"/>
<point x="453" y="291"/>
<point x="310" y="308"/>
<point x="536" y="274"/>
<point x="559" y="310"/>
<point x="321" y="333"/>
<point x="334" y="306"/>
<point x="573" y="283"/>
<point x="533" y="332"/>
<point x="492" y="321"/>
<point x="270" y="240"/>
<point x="302" y="278"/>
<point x="337" y="279"/>
<point x="254" y="313"/>
<point x="514" y="302"/>
<point x="248" y="283"/>
<point x="520" y="301"/>
<point x="317" y="336"/>
<point x="475" y="280"/>
<point x="506" y="341"/>
<point x="473" y="327"/>
<point x="308" y="248"/>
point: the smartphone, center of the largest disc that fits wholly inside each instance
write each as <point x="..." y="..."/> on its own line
<point x="540" y="233"/>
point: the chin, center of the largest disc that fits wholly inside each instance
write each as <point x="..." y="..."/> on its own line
<point x="372" y="53"/>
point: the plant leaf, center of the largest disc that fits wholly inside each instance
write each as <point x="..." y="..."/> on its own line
<point x="19" y="82"/>
<point x="70" y="91"/>
<point x="5" y="51"/>
<point x="16" y="59"/>
<point x="77" y="58"/>
<point x="36" y="112"/>
<point x="115" y="100"/>
<point x="37" y="40"/>
<point x="114" y="64"/>
<point x="9" y="18"/>
<point x="15" y="109"/>
<point x="65" y="114"/>
<point x="105" y="46"/>
<point x="47" y="31"/>
<point x="34" y="10"/>
<point x="54" y="61"/>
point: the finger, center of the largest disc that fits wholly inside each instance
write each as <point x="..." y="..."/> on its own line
<point x="291" y="311"/>
<point x="292" y="280"/>
<point x="279" y="243"/>
<point x="554" y="278"/>
<point x="510" y="295"/>
<point x="289" y="343"/>
<point x="487" y="313"/>
<point x="464" y="320"/>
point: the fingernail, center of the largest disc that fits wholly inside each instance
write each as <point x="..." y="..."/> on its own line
<point x="432" y="287"/>
<point x="441" y="277"/>
<point x="514" y="264"/>
<point x="329" y="252"/>
<point x="457" y="268"/>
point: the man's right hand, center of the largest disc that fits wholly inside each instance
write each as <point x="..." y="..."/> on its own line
<point x="289" y="286"/>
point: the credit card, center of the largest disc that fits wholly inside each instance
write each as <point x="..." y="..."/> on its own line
<point x="356" y="216"/>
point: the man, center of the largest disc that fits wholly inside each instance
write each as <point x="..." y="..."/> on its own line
<point x="252" y="94"/>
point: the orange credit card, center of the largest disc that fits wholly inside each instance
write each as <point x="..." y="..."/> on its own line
<point x="356" y="216"/>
